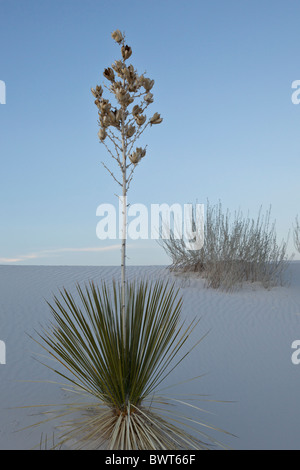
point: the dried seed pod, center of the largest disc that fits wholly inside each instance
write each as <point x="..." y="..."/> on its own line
<point x="128" y="100"/>
<point x="149" y="98"/>
<point x="123" y="97"/>
<point x="106" y="121"/>
<point x="133" y="157"/>
<point x="136" y="110"/>
<point x="141" y="152"/>
<point x="113" y="118"/>
<point x="147" y="84"/>
<point x="156" y="119"/>
<point x="105" y="106"/>
<point x="109" y="74"/>
<point x="97" y="103"/>
<point x="117" y="36"/>
<point x="118" y="67"/>
<point x="102" y="134"/>
<point x="137" y="155"/>
<point x="130" y="131"/>
<point x="132" y="87"/>
<point x="126" y="52"/>
<point x="140" y="80"/>
<point x="129" y="73"/>
<point x="116" y="86"/>
<point x="97" y="92"/>
<point x="140" y="119"/>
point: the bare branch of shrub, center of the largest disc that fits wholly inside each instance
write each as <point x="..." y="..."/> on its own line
<point x="297" y="235"/>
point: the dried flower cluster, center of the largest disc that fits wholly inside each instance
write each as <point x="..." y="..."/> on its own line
<point x="128" y="87"/>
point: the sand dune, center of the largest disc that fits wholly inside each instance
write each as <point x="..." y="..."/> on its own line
<point x="246" y="356"/>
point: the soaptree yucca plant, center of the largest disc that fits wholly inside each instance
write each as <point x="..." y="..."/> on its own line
<point x="117" y="343"/>
<point x="120" y="373"/>
<point x="121" y="123"/>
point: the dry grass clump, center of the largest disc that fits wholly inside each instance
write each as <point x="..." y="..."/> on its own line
<point x="235" y="250"/>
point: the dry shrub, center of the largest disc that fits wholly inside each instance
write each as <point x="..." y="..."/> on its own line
<point x="234" y="251"/>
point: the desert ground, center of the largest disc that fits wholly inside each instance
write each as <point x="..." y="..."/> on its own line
<point x="245" y="361"/>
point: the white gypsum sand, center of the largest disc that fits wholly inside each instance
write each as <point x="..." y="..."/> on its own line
<point x="246" y="357"/>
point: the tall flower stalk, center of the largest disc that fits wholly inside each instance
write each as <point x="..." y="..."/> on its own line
<point x="120" y="127"/>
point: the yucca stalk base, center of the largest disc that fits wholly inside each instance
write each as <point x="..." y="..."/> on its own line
<point x="142" y="429"/>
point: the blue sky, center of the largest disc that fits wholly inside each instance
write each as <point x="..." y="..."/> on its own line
<point x="223" y="72"/>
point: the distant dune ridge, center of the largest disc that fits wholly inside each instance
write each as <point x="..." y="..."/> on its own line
<point x="246" y="357"/>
